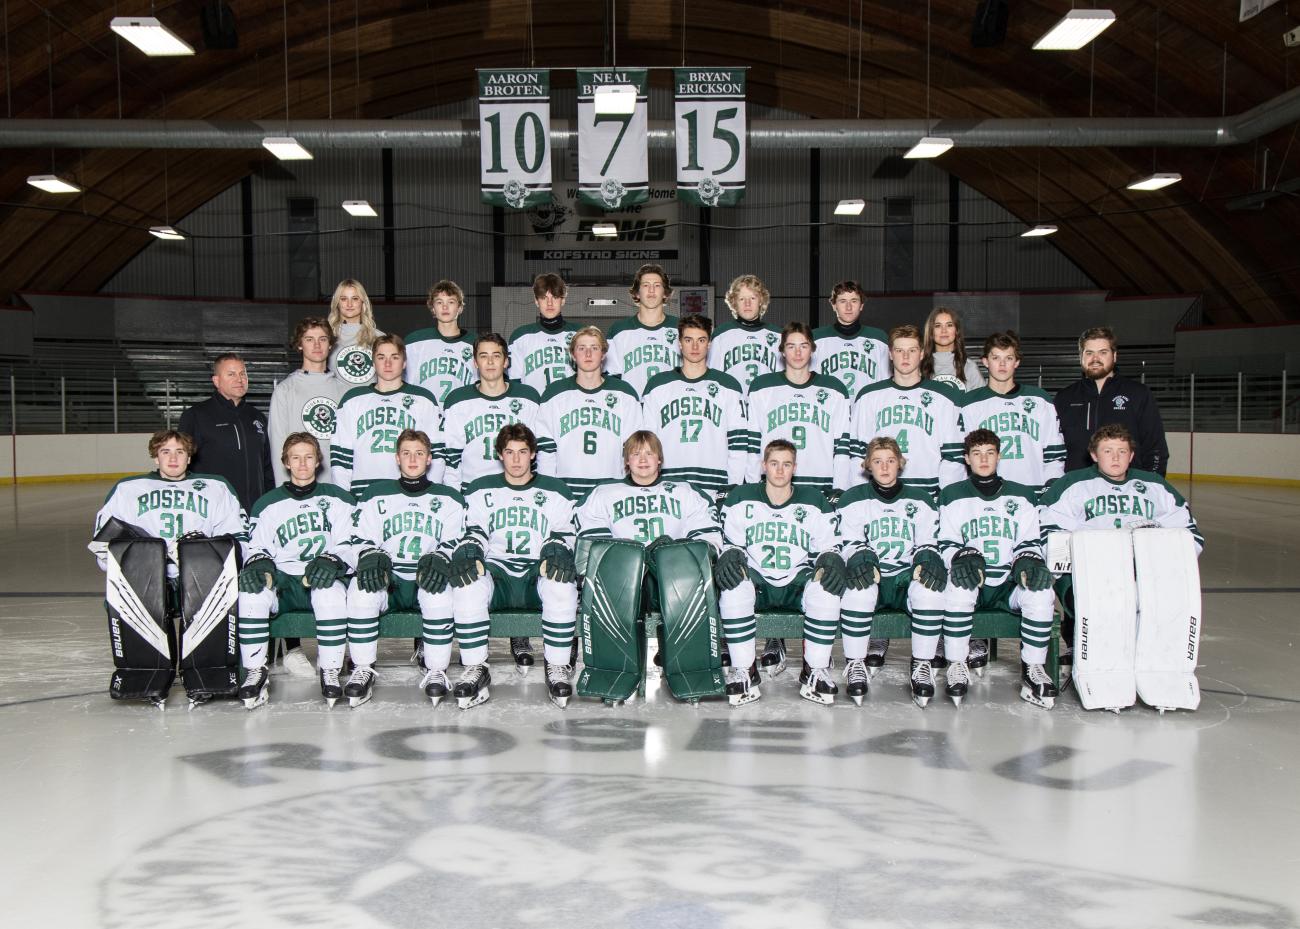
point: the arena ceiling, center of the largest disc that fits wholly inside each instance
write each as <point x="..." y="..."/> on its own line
<point x="820" y="58"/>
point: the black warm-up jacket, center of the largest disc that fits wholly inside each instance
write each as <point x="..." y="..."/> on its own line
<point x="1082" y="408"/>
<point x="233" y="442"/>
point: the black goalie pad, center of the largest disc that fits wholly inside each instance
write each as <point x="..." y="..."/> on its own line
<point x="139" y="629"/>
<point x="209" y="595"/>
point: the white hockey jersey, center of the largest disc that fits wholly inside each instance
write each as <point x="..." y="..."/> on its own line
<point x="1033" y="452"/>
<point x="704" y="428"/>
<point x="365" y="441"/>
<point x="470" y="423"/>
<point x="167" y="510"/>
<point x="539" y="358"/>
<point x="923" y="419"/>
<point x="627" y="510"/>
<point x="580" y="433"/>
<point x="746" y="351"/>
<point x="856" y="361"/>
<point x="894" y="529"/>
<point x="1087" y="499"/>
<point x="439" y="364"/>
<point x="814" y="416"/>
<point x="779" y="541"/>
<point x="408" y="525"/>
<point x="512" y="523"/>
<point x="1001" y="527"/>
<point x="292" y="530"/>
<point x="638" y="352"/>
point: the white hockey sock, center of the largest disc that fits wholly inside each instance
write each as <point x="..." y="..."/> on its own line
<point x="956" y="647"/>
<point x="556" y="654"/>
<point x="252" y="656"/>
<point x="329" y="657"/>
<point x="817" y="654"/>
<point x="437" y="657"/>
<point x="363" y="653"/>
<point x="469" y="657"/>
<point x="742" y="653"/>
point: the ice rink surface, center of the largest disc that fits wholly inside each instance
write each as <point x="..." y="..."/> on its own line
<point x="655" y="814"/>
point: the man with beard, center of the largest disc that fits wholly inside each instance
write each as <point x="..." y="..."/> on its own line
<point x="1102" y="397"/>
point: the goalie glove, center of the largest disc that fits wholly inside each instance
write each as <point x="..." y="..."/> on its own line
<point x="928" y="568"/>
<point x="372" y="570"/>
<point x="863" y="569"/>
<point x="557" y="563"/>
<point x="1031" y="572"/>
<point x="730" y="571"/>
<point x="433" y="572"/>
<point x="968" y="569"/>
<point x="323" y="570"/>
<point x="466" y="564"/>
<point x="829" y="571"/>
<point x="257" y="575"/>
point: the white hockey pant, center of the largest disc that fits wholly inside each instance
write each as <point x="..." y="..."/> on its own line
<point x="559" y="618"/>
<point x="739" y="624"/>
<point x="330" y="606"/>
<point x="1034" y="607"/>
<point x="858" y="609"/>
<point x="365" y="608"/>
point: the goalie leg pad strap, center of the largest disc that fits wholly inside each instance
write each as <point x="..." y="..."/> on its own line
<point x="1105" y="607"/>
<point x="610" y="621"/>
<point x="1169" y="618"/>
<point x="691" y="627"/>
<point x="140" y="631"/>
<point x="209" y="589"/>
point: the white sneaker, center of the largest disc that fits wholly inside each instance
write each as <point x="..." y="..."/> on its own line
<point x="297" y="664"/>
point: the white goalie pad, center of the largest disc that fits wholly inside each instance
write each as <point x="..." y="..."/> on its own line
<point x="1169" y="618"/>
<point x="122" y="598"/>
<point x="1105" y="609"/>
<point x="1058" y="553"/>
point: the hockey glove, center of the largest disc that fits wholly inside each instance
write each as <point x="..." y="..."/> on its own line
<point x="730" y="571"/>
<point x="372" y="570"/>
<point x="863" y="569"/>
<point x="1031" y="572"/>
<point x="929" y="569"/>
<point x="257" y="575"/>
<point x="968" y="569"/>
<point x="433" y="572"/>
<point x="829" y="571"/>
<point x="323" y="570"/>
<point x="465" y="564"/>
<point x="558" y="564"/>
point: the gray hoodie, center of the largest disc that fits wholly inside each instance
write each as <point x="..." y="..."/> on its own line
<point x="305" y="402"/>
<point x="946" y="372"/>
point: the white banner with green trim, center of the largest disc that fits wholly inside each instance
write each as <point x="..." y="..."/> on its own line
<point x="710" y="128"/>
<point x="514" y="121"/>
<point x="613" y="165"/>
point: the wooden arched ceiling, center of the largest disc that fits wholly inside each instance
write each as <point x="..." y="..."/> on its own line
<point x="803" y="56"/>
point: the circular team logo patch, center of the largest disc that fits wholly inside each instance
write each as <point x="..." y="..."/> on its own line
<point x="319" y="415"/>
<point x="354" y="365"/>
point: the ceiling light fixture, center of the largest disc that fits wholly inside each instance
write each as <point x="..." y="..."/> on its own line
<point x="166" y="232"/>
<point x="53" y="184"/>
<point x="1155" y="181"/>
<point x="286" y="148"/>
<point x="359" y="208"/>
<point x="615" y="100"/>
<point x="1038" y="231"/>
<point x="605" y="230"/>
<point x="150" y="36"/>
<point x="850" y="207"/>
<point x="929" y="147"/>
<point x="1075" y="30"/>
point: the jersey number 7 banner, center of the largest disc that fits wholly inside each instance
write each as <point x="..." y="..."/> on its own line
<point x="514" y="120"/>
<point x="613" y="169"/>
<point x="710" y="130"/>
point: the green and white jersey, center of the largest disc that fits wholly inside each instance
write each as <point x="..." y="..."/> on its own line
<point x="580" y="433"/>
<point x="1001" y="527"/>
<point x="167" y="510"/>
<point x="292" y="530"/>
<point x="627" y="510"/>
<point x="1088" y="499"/>
<point x="408" y="524"/>
<point x="779" y="540"/>
<point x="894" y="529"/>
<point x="703" y="425"/>
<point x="814" y="416"/>
<point x="1033" y="452"/>
<point x="440" y="364"/>
<point x="856" y="361"/>
<point x="638" y="352"/>
<point x="923" y="419"/>
<point x="353" y="364"/>
<point x="512" y="523"/>
<point x="370" y="420"/>
<point x="470" y="423"/>
<point x="539" y="358"/>
<point x="746" y="351"/>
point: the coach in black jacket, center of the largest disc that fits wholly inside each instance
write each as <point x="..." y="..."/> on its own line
<point x="232" y="436"/>
<point x="1101" y="397"/>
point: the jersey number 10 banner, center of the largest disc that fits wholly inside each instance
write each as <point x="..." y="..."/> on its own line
<point x="613" y="168"/>
<point x="514" y="120"/>
<point x="710" y="130"/>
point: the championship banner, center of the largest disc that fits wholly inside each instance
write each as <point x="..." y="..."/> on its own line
<point x="514" y="121"/>
<point x="710" y="129"/>
<point x="613" y="166"/>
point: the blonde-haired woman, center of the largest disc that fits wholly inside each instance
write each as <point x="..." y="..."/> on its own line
<point x="746" y="348"/>
<point x="353" y="323"/>
<point x="943" y="352"/>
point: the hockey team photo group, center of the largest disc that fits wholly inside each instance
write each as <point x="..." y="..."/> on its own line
<point x="667" y="498"/>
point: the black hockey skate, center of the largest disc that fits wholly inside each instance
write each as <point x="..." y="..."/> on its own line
<point x="939" y="662"/>
<point x="958" y="681"/>
<point x="435" y="686"/>
<point x="978" y="659"/>
<point x="1036" y="686"/>
<point x="772" y="659"/>
<point x="815" y="684"/>
<point x="856" y="680"/>
<point x="256" y="689"/>
<point x="922" y="682"/>
<point x="472" y="688"/>
<point x="559" y="679"/>
<point x="360" y="687"/>
<point x="877" y="649"/>
<point x="521" y="649"/>
<point x="330" y="688"/>
<point x="742" y="685"/>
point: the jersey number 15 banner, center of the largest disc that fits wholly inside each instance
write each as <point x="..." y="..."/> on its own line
<point x="514" y="121"/>
<point x="613" y="169"/>
<point x="710" y="130"/>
